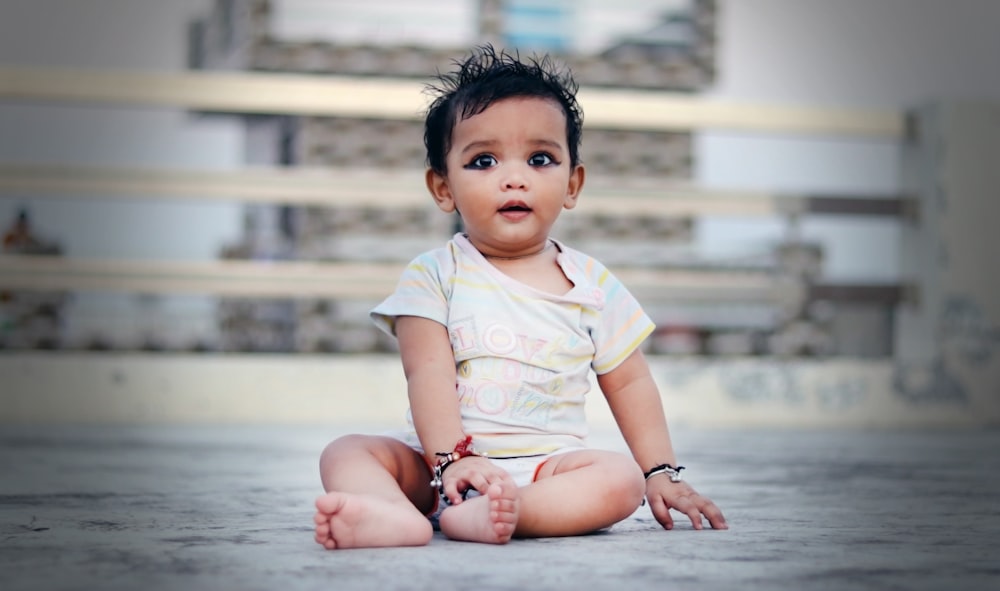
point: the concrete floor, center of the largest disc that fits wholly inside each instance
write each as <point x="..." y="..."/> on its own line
<point x="230" y="508"/>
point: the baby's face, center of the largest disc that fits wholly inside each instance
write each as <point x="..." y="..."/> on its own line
<point x="509" y="175"/>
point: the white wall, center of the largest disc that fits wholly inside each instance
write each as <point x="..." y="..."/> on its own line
<point x="139" y="34"/>
<point x="894" y="54"/>
<point x="92" y="33"/>
<point x="132" y="34"/>
<point x="862" y="53"/>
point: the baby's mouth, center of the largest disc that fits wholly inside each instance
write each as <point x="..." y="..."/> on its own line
<point x="514" y="207"/>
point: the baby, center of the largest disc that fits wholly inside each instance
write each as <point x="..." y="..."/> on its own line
<point x="498" y="331"/>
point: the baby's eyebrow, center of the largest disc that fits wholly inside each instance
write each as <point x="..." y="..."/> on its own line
<point x="490" y="144"/>
<point x="552" y="145"/>
<point x="478" y="145"/>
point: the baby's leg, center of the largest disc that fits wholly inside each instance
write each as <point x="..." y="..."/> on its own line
<point x="490" y="518"/>
<point x="374" y="488"/>
<point x="580" y="492"/>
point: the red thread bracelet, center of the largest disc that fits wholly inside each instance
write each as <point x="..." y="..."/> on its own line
<point x="463" y="449"/>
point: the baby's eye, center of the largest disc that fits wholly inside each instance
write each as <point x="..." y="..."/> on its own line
<point x="482" y="161"/>
<point x="541" y="159"/>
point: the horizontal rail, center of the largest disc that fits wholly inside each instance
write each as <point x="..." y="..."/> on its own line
<point x="220" y="278"/>
<point x="395" y="98"/>
<point x="297" y="280"/>
<point x="870" y="294"/>
<point x="280" y="186"/>
<point x="400" y="189"/>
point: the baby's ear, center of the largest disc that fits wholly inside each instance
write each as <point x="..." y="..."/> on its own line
<point x="437" y="184"/>
<point x="574" y="186"/>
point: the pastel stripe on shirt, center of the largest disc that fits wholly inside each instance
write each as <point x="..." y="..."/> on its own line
<point x="522" y="356"/>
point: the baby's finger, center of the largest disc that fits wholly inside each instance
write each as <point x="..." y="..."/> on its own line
<point x="478" y="481"/>
<point x="687" y="506"/>
<point x="661" y="512"/>
<point x="503" y="478"/>
<point x="714" y="515"/>
<point x="490" y="476"/>
<point x="451" y="491"/>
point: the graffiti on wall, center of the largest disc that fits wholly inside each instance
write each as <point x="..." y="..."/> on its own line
<point x="843" y="393"/>
<point x="966" y="330"/>
<point x="967" y="336"/>
<point x="770" y="383"/>
<point x="925" y="383"/>
<point x="762" y="382"/>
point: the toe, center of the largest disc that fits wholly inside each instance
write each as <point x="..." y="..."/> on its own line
<point x="329" y="503"/>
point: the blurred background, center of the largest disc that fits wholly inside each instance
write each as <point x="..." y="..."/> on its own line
<point x="201" y="200"/>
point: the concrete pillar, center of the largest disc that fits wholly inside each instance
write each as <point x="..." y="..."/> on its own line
<point x="948" y="339"/>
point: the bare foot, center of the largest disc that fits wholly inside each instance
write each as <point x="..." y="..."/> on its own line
<point x="345" y="520"/>
<point x="490" y="518"/>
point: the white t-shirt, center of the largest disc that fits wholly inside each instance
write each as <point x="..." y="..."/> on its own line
<point x="523" y="356"/>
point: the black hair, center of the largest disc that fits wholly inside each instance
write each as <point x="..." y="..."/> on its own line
<point x="487" y="76"/>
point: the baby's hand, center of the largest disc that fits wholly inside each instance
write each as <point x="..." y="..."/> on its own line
<point x="664" y="495"/>
<point x="472" y="472"/>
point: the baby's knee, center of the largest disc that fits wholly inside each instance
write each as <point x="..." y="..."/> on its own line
<point x="626" y="483"/>
<point x="633" y="483"/>
<point x="345" y="447"/>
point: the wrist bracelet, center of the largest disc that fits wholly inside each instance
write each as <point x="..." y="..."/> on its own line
<point x="673" y="473"/>
<point x="463" y="449"/>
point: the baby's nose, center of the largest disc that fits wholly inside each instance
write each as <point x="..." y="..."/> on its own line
<point x="514" y="180"/>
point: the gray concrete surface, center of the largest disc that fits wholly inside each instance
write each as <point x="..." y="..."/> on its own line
<point x="230" y="507"/>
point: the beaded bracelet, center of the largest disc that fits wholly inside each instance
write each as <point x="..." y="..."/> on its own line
<point x="463" y="449"/>
<point x="673" y="473"/>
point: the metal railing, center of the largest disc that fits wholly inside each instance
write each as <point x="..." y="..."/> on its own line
<point x="244" y="93"/>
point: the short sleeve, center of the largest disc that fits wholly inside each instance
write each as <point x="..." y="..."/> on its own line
<point x="620" y="326"/>
<point x="422" y="291"/>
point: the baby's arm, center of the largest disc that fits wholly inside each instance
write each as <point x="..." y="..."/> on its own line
<point x="635" y="403"/>
<point x="429" y="366"/>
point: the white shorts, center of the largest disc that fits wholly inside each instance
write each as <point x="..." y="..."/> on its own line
<point x="522" y="469"/>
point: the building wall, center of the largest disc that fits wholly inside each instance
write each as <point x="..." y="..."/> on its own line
<point x="861" y="53"/>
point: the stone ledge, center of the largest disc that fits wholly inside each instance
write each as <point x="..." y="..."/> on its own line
<point x="316" y="389"/>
